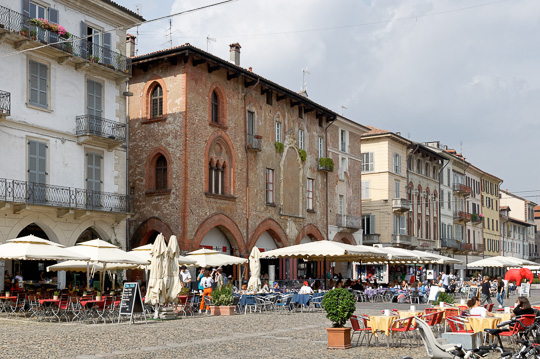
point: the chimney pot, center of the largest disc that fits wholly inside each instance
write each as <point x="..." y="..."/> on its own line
<point x="235" y="53"/>
<point x="130" y="45"/>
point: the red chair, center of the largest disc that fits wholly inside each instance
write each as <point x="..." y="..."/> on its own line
<point x="522" y="323"/>
<point x="490" y="307"/>
<point x="402" y="327"/>
<point x="360" y="327"/>
<point x="458" y="324"/>
<point x="451" y="312"/>
<point x="430" y="310"/>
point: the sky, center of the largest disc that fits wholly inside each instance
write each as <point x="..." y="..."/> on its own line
<point x="462" y="72"/>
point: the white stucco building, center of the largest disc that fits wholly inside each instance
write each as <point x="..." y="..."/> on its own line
<point x="63" y="120"/>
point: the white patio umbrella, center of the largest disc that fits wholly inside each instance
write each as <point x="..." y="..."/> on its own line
<point x="32" y="248"/>
<point x="209" y="258"/>
<point x="398" y="255"/>
<point x="143" y="252"/>
<point x="157" y="291"/>
<point x="105" y="253"/>
<point x="254" y="284"/>
<point x="440" y="259"/>
<point x="497" y="261"/>
<point x="173" y="273"/>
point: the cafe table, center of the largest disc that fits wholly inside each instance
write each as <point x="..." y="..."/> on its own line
<point x="88" y="304"/>
<point x="478" y="324"/>
<point x="504" y="316"/>
<point x="4" y="299"/>
<point x="382" y="323"/>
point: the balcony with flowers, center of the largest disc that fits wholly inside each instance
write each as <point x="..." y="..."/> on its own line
<point x="477" y="218"/>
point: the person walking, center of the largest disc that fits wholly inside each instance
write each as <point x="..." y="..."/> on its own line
<point x="500" y="291"/>
<point x="486" y="291"/>
<point x="206" y="283"/>
<point x="199" y="280"/>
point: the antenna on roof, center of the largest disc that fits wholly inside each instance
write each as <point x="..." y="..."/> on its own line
<point x="138" y="7"/>
<point x="208" y="39"/>
<point x="304" y="73"/>
<point x="343" y="108"/>
<point x="461" y="147"/>
<point x="170" y="33"/>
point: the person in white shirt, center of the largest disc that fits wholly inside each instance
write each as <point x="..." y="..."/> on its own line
<point x="185" y="277"/>
<point x="306" y="289"/>
<point x="206" y="283"/>
<point x="475" y="308"/>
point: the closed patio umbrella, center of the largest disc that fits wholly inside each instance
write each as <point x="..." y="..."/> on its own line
<point x="254" y="284"/>
<point x="173" y="273"/>
<point x="156" y="291"/>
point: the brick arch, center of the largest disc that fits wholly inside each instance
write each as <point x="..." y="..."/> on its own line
<point x="344" y="237"/>
<point x="311" y="231"/>
<point x="150" y="167"/>
<point x="147" y="94"/>
<point x="273" y="228"/>
<point x="227" y="226"/>
<point x="222" y="103"/>
<point x="145" y="230"/>
<point x="230" y="178"/>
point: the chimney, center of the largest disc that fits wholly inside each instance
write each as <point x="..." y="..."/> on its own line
<point x="235" y="53"/>
<point x="130" y="45"/>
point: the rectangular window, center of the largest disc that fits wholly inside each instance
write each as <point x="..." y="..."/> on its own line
<point x="269" y="98"/>
<point x="38" y="84"/>
<point x="399" y="225"/>
<point x="269" y="186"/>
<point x="300" y="112"/>
<point x="343" y="140"/>
<point x="396" y="187"/>
<point x="343" y="168"/>
<point x="310" y="183"/>
<point x="442" y="198"/>
<point x="341" y="204"/>
<point x="93" y="179"/>
<point x="37" y="171"/>
<point x="278" y="131"/>
<point x="365" y="189"/>
<point x="449" y="200"/>
<point x="367" y="162"/>
<point x="94" y="99"/>
<point x="301" y="139"/>
<point x="397" y="163"/>
<point x="368" y="224"/>
<point x="321" y="147"/>
<point x="250" y="124"/>
<point x="448" y="177"/>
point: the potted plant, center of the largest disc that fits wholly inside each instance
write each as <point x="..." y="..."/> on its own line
<point x="55" y="295"/>
<point x="24" y="32"/>
<point x="33" y="34"/>
<point x="98" y="296"/>
<point x="339" y="305"/>
<point x="222" y="300"/>
<point x="111" y="292"/>
<point x="7" y="293"/>
<point x="85" y="294"/>
<point x="279" y="147"/>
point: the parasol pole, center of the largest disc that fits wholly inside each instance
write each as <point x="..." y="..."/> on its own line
<point x="103" y="274"/>
<point x="325" y="273"/>
<point x="87" y="275"/>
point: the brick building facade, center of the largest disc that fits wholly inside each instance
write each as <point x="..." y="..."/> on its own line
<point x="226" y="159"/>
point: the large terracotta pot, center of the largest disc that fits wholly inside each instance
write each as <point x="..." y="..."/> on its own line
<point x="214" y="310"/>
<point x="226" y="310"/>
<point x="339" y="338"/>
<point x="183" y="299"/>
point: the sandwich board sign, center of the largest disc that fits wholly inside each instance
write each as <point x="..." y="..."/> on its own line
<point x="131" y="302"/>
<point x="525" y="290"/>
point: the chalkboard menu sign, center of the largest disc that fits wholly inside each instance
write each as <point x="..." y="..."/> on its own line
<point x="131" y="302"/>
<point x="473" y="292"/>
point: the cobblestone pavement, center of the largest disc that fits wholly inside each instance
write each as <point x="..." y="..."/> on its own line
<point x="266" y="335"/>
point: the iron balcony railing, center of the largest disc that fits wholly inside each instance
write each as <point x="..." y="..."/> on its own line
<point x="254" y="142"/>
<point x="24" y="192"/>
<point x="462" y="188"/>
<point x="372" y="238"/>
<point x="98" y="126"/>
<point x="465" y="246"/>
<point x="80" y="47"/>
<point x="449" y="243"/>
<point x="5" y="103"/>
<point x="348" y="221"/>
<point x="462" y="216"/>
<point x="402" y="239"/>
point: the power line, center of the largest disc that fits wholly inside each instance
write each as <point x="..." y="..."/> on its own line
<point x="122" y="27"/>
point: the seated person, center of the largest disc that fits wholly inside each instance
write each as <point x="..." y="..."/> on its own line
<point x="358" y="286"/>
<point x="306" y="289"/>
<point x="316" y="285"/>
<point x="276" y="287"/>
<point x="523" y="307"/>
<point x="404" y="285"/>
<point x="476" y="308"/>
<point x="452" y="287"/>
<point x="266" y="287"/>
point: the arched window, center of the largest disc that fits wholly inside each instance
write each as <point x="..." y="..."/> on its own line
<point x="434" y="172"/>
<point x="216" y="178"/>
<point x="426" y="170"/>
<point x="161" y="173"/>
<point x="427" y="228"/>
<point x="157" y="102"/>
<point x="435" y="230"/>
<point x="418" y="166"/>
<point x="419" y="230"/>
<point x="215" y="107"/>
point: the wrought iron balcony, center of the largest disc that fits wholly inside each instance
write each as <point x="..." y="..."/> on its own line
<point x="23" y="192"/>
<point x="461" y="216"/>
<point x="462" y="189"/>
<point x="476" y="218"/>
<point x="477" y="247"/>
<point x="28" y="31"/>
<point x="5" y="103"/>
<point x="400" y="205"/>
<point x="348" y="221"/>
<point x="371" y="239"/>
<point x="254" y="142"/>
<point x="99" y="131"/>
<point x="465" y="247"/>
<point x="402" y="239"/>
<point x="449" y="243"/>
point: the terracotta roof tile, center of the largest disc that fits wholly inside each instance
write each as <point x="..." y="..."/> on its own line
<point x="124" y="9"/>
<point x="375" y="131"/>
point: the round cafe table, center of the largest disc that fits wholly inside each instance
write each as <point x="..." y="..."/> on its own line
<point x="478" y="324"/>
<point x="382" y="323"/>
<point x="407" y="313"/>
<point x="504" y="316"/>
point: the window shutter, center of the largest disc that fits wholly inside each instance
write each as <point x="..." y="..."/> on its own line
<point x="371" y="163"/>
<point x="372" y="224"/>
<point x="43" y="84"/>
<point x="54" y="18"/>
<point x="402" y="225"/>
<point x="396" y="224"/>
<point x="84" y="40"/>
<point x="107" y="46"/>
<point x="26" y="9"/>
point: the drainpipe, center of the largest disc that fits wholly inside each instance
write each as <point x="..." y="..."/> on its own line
<point x="409" y="157"/>
<point x="326" y="194"/>
<point x="441" y="172"/>
<point x="128" y="95"/>
<point x="247" y="158"/>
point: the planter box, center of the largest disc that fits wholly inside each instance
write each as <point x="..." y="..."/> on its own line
<point x="535" y="286"/>
<point x="339" y="338"/>
<point x="222" y="310"/>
